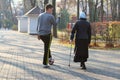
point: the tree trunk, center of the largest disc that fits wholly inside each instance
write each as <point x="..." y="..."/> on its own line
<point x="118" y="10"/>
<point x="91" y="10"/>
<point x="102" y="11"/>
<point x="11" y="11"/>
<point x="111" y="6"/>
<point x="95" y="13"/>
<point x="82" y="5"/>
<point x="114" y="9"/>
<point x="78" y="9"/>
<point x="86" y="6"/>
<point x="107" y="14"/>
<point x="54" y="13"/>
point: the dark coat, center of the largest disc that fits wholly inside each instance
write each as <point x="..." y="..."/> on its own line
<point x="82" y="29"/>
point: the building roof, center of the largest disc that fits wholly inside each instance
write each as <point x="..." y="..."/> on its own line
<point x="34" y="11"/>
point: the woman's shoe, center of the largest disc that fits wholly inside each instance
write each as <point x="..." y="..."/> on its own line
<point x="83" y="66"/>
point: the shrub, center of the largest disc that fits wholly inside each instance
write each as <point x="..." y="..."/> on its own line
<point x="7" y="23"/>
<point x="109" y="32"/>
<point x="14" y="27"/>
<point x="64" y="19"/>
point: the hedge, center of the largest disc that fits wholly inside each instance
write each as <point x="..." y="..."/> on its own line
<point x="107" y="31"/>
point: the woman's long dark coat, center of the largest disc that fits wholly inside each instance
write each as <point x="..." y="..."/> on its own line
<point x="82" y="29"/>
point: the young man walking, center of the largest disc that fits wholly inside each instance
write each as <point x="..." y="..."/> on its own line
<point x="45" y="22"/>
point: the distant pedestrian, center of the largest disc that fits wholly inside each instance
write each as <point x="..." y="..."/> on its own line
<point x="45" y="22"/>
<point x="82" y="29"/>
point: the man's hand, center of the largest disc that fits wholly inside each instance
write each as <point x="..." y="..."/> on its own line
<point x="38" y="37"/>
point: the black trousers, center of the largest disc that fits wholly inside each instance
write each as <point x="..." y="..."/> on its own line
<point x="47" y="43"/>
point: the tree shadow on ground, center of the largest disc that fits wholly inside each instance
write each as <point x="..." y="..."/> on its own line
<point x="106" y="71"/>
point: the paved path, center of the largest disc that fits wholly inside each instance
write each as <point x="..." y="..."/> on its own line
<point x="21" y="59"/>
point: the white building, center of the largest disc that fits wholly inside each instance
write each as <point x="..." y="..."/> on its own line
<point x="28" y="22"/>
<point x="22" y="24"/>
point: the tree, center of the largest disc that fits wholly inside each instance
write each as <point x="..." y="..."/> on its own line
<point x="29" y="4"/>
<point x="71" y="3"/>
<point x="118" y="10"/>
<point x="91" y="10"/>
<point x="78" y="9"/>
<point x="114" y="9"/>
<point x="102" y="11"/>
<point x="64" y="19"/>
<point x="94" y="20"/>
<point x="33" y="3"/>
<point x="46" y="2"/>
<point x="54" y="13"/>
<point x="6" y="12"/>
<point x="107" y="1"/>
<point x="95" y="14"/>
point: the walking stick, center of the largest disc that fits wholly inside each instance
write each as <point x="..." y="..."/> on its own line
<point x="70" y="55"/>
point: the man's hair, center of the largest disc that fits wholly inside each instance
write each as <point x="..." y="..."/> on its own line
<point x="48" y="6"/>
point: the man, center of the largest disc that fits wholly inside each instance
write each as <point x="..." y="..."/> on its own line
<point x="45" y="22"/>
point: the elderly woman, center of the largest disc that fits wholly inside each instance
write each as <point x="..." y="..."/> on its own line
<point x="82" y="29"/>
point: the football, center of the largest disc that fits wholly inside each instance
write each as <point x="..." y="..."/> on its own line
<point x="51" y="62"/>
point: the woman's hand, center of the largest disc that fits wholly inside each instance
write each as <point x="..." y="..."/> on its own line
<point x="38" y="37"/>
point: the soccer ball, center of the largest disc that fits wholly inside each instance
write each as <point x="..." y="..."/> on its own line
<point x="51" y="62"/>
